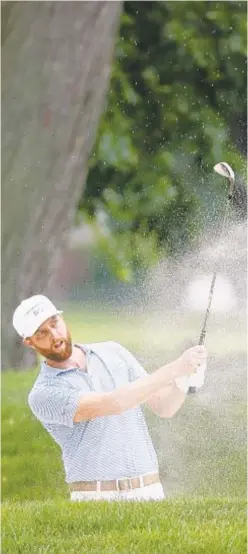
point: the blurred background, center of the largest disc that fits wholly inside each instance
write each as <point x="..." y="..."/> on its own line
<point x="113" y="116"/>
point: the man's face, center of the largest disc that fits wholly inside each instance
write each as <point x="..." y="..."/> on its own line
<point x="52" y="340"/>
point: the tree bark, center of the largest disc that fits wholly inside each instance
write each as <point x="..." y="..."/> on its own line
<point x="56" y="61"/>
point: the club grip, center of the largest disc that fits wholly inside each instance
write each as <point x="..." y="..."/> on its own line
<point x="202" y="336"/>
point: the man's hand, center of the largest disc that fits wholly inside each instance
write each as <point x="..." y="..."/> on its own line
<point x="192" y="359"/>
<point x="167" y="401"/>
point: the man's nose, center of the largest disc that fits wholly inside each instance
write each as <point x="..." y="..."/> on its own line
<point x="55" y="334"/>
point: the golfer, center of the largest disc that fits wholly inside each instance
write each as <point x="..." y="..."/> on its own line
<point x="88" y="397"/>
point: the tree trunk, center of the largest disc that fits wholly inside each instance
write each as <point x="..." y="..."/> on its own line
<point x="56" y="61"/>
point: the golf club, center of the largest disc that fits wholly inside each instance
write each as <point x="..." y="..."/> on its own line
<point x="222" y="168"/>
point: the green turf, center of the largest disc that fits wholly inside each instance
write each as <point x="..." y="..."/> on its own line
<point x="31" y="464"/>
<point x="202" y="526"/>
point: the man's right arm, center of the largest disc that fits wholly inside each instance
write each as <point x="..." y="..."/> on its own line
<point x="133" y="394"/>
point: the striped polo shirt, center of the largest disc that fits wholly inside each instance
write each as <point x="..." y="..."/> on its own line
<point x="104" y="448"/>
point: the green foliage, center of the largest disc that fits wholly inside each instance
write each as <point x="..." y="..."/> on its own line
<point x="201" y="526"/>
<point x="176" y="106"/>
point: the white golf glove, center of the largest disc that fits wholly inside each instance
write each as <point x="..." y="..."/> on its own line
<point x="196" y="380"/>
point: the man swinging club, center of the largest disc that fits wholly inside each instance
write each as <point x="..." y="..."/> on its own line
<point x="88" y="397"/>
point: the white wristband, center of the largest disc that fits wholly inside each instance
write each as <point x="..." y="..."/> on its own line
<point x="182" y="383"/>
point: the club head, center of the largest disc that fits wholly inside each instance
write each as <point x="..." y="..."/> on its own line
<point x="222" y="168"/>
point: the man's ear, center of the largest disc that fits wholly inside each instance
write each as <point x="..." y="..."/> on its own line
<point x="28" y="342"/>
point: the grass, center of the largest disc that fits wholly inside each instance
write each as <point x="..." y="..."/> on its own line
<point x="31" y="464"/>
<point x="200" y="526"/>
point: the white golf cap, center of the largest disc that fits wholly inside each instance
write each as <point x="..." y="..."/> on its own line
<point x="31" y="313"/>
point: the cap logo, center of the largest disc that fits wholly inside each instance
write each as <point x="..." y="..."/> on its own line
<point x="36" y="309"/>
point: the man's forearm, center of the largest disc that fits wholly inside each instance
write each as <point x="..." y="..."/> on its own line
<point x="167" y="401"/>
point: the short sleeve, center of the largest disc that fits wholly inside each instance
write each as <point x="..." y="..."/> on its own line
<point x="135" y="368"/>
<point x="55" y="404"/>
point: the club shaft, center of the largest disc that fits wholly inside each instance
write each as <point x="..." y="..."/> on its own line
<point x="211" y="290"/>
<point x="204" y="327"/>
